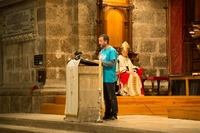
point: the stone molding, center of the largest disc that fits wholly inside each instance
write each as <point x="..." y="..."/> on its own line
<point x="19" y="38"/>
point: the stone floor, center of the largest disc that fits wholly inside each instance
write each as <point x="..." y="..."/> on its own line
<point x="132" y="123"/>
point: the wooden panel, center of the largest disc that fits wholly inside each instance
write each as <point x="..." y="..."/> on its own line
<point x="47" y="108"/>
<point x="60" y="99"/>
<point x="184" y="114"/>
<point x="197" y="10"/>
<point x="121" y="30"/>
<point x="116" y="1"/>
<point x="160" y="99"/>
<point x="147" y="105"/>
<point x="115" y="27"/>
<point x="120" y="1"/>
<point x="195" y="59"/>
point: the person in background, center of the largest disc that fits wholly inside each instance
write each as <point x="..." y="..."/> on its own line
<point x="130" y="81"/>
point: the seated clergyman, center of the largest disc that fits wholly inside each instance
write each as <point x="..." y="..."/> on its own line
<point x="130" y="82"/>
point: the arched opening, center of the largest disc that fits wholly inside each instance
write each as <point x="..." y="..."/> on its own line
<point x="114" y="27"/>
<point x="115" y="19"/>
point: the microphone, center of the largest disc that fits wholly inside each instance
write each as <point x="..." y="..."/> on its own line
<point x="77" y="55"/>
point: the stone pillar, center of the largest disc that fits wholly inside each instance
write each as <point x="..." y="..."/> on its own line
<point x="61" y="39"/>
<point x="1" y="50"/>
<point x="99" y="23"/>
<point x="87" y="27"/>
<point x="70" y="27"/>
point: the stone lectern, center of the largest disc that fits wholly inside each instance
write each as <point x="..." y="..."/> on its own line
<point x="88" y="96"/>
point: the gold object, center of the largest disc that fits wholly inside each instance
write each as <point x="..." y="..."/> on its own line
<point x="125" y="46"/>
<point x="198" y="46"/>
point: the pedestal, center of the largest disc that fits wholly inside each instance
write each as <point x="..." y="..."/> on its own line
<point x="87" y="95"/>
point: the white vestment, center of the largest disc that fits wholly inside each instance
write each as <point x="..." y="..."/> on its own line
<point x="133" y="85"/>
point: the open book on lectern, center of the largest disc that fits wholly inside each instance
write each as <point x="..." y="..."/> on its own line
<point x="88" y="62"/>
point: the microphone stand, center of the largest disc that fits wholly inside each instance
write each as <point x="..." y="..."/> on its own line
<point x="119" y="76"/>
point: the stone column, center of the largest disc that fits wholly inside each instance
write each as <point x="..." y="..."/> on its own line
<point x="1" y="50"/>
<point x="99" y="23"/>
<point x="87" y="28"/>
<point x="61" y="39"/>
<point x="70" y="27"/>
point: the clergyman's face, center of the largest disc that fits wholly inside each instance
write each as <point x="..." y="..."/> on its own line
<point x="102" y="42"/>
<point x="124" y="53"/>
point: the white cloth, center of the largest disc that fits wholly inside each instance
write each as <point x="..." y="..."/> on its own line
<point x="134" y="85"/>
<point x="71" y="104"/>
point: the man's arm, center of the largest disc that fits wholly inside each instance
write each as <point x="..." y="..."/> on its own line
<point x="109" y="63"/>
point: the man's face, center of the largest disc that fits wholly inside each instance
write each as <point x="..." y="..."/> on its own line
<point x="102" y="43"/>
<point x="124" y="53"/>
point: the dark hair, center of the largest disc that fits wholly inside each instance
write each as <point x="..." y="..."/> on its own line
<point x="105" y="37"/>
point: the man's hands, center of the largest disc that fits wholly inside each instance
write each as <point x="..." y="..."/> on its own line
<point x="96" y="61"/>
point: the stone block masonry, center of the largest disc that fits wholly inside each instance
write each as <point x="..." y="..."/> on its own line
<point x="70" y="27"/>
<point x="21" y="100"/>
<point x="19" y="70"/>
<point x="149" y="35"/>
<point x="63" y="27"/>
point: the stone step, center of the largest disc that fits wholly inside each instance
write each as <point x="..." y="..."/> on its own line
<point x="184" y="113"/>
<point x="56" y="122"/>
<point x="4" y="128"/>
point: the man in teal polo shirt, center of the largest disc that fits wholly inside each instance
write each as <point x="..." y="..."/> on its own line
<point x="109" y="58"/>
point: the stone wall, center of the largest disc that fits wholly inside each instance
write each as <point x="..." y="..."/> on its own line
<point x="61" y="38"/>
<point x="149" y="35"/>
<point x="18" y="64"/>
<point x="19" y="71"/>
<point x="63" y="27"/>
<point x="70" y="27"/>
<point x="87" y="28"/>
